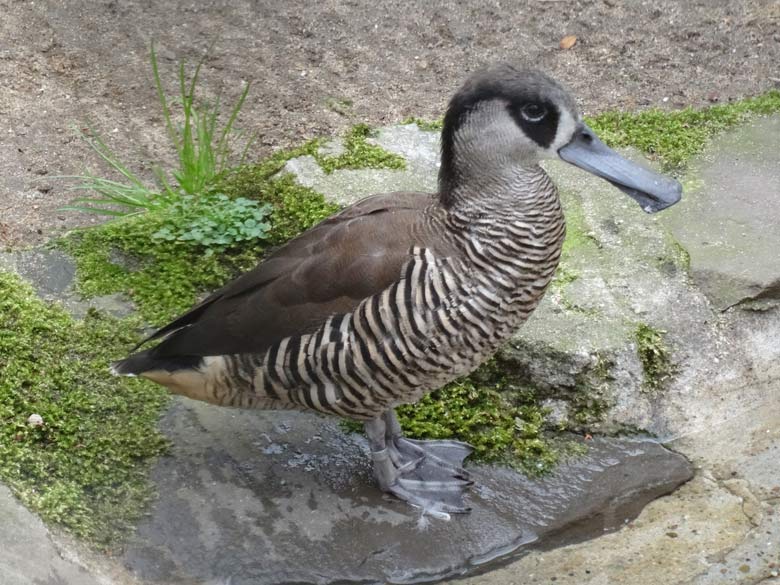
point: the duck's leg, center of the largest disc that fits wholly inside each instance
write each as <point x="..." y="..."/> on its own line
<point x="447" y="454"/>
<point x="431" y="478"/>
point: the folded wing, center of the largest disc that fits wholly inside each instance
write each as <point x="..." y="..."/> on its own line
<point x="327" y="270"/>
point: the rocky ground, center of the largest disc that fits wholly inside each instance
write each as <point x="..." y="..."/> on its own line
<point x="706" y="272"/>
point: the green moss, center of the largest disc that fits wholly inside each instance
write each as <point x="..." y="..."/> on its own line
<point x="587" y="398"/>
<point x="674" y="137"/>
<point x="163" y="278"/>
<point x="578" y="240"/>
<point x="587" y="404"/>
<point x="564" y="276"/>
<point x="587" y="411"/>
<point x="245" y="180"/>
<point x="578" y="235"/>
<point x="654" y="355"/>
<point x="86" y="466"/>
<point x="360" y="154"/>
<point x="427" y="125"/>
<point x="680" y="256"/>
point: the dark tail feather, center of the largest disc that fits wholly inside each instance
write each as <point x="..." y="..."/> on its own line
<point x="145" y="361"/>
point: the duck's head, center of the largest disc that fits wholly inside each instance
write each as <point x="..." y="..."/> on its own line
<point x="504" y="118"/>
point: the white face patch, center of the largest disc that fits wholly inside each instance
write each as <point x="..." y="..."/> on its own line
<point x="567" y="126"/>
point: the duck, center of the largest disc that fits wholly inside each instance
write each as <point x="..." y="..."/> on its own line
<point x="400" y="293"/>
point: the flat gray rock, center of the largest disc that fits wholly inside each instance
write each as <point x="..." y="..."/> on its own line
<point x="51" y="272"/>
<point x="729" y="218"/>
<point x="28" y="556"/>
<point x="284" y="497"/>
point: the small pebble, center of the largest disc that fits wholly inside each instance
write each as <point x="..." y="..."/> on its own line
<point x="35" y="420"/>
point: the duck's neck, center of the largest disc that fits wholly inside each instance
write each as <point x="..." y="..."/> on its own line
<point x="512" y="228"/>
<point x="489" y="204"/>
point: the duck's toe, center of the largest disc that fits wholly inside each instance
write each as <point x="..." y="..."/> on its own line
<point x="446" y="454"/>
<point x="437" y="498"/>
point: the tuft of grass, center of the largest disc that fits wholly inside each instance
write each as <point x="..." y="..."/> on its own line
<point x="654" y="355"/>
<point x="203" y="147"/>
<point x="342" y="106"/>
<point x="123" y="197"/>
<point x="674" y="137"/>
<point x="360" y="154"/>
<point x="86" y="466"/>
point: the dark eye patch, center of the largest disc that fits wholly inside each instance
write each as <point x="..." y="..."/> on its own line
<point x="538" y="120"/>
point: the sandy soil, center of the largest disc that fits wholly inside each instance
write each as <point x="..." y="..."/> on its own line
<point x="62" y="63"/>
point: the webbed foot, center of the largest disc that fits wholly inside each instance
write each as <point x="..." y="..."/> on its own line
<point x="426" y="474"/>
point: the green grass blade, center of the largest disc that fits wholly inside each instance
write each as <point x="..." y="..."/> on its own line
<point x="234" y="114"/>
<point x="223" y="145"/>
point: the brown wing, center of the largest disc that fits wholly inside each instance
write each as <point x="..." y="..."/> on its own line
<point x="327" y="270"/>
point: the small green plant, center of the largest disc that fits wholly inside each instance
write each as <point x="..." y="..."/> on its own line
<point x="204" y="150"/>
<point x="214" y="222"/>
<point x="360" y="154"/>
<point x="654" y="355"/>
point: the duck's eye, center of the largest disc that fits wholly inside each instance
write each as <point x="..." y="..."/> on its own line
<point x="533" y="112"/>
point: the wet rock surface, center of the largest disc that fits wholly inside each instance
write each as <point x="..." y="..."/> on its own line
<point x="289" y="498"/>
<point x="721" y="528"/>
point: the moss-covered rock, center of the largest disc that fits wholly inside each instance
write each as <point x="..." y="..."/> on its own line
<point x="76" y="443"/>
